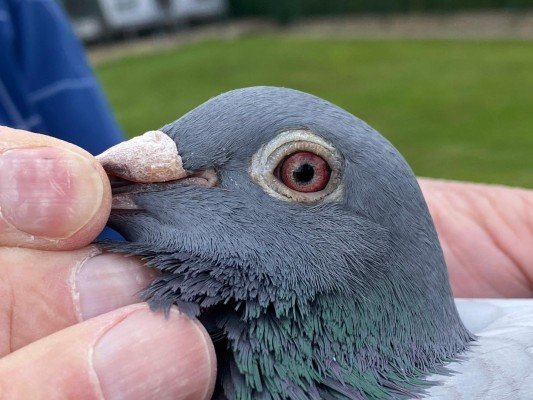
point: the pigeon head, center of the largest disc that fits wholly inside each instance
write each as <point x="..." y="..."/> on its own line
<point x="300" y="238"/>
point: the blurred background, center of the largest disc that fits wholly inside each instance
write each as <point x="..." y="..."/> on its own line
<point x="448" y="82"/>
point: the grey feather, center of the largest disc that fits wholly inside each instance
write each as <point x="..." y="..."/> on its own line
<point x="500" y="364"/>
<point x="344" y="298"/>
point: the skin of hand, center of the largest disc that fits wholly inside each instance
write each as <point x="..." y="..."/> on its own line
<point x="486" y="233"/>
<point x="69" y="325"/>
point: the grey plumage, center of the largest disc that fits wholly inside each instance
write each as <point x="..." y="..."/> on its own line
<point x="344" y="297"/>
<point x="500" y="364"/>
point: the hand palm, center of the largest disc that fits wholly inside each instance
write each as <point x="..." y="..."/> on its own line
<point x="486" y="233"/>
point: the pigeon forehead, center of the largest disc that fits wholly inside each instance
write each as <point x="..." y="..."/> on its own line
<point x="235" y="124"/>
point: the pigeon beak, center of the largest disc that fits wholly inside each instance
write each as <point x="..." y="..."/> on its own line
<point x="145" y="163"/>
<point x="151" y="157"/>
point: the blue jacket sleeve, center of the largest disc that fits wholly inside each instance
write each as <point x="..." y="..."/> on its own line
<point x="46" y="84"/>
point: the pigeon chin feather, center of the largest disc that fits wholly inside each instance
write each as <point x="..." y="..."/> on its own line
<point x="299" y="237"/>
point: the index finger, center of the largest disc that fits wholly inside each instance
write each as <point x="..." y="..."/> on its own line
<point x="53" y="194"/>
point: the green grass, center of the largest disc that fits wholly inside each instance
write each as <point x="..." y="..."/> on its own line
<point x="455" y="109"/>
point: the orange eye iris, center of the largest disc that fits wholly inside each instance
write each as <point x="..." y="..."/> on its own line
<point x="304" y="171"/>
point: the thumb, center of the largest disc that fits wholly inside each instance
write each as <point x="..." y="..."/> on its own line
<point x="53" y="195"/>
<point x="130" y="353"/>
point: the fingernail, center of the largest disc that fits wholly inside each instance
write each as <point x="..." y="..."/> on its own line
<point x="109" y="281"/>
<point x="47" y="191"/>
<point x="149" y="357"/>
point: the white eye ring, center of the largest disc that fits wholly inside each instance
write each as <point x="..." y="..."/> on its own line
<point x="271" y="154"/>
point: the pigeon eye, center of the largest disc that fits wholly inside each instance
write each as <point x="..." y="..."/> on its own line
<point x="304" y="172"/>
<point x="298" y="165"/>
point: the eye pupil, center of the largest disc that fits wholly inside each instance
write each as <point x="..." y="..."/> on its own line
<point x="304" y="173"/>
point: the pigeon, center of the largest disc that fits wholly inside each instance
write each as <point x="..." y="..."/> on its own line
<point x="299" y="237"/>
<point x="500" y="364"/>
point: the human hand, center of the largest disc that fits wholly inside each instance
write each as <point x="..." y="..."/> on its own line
<point x="69" y="327"/>
<point x="486" y="232"/>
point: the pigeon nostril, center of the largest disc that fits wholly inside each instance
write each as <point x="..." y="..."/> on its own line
<point x="117" y="182"/>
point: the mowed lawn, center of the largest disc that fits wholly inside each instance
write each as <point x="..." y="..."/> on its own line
<point x="455" y="109"/>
